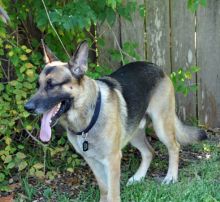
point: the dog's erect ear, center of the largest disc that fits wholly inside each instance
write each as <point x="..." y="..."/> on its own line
<point x="48" y="55"/>
<point x="78" y="64"/>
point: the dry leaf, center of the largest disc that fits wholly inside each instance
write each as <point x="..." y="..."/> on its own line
<point x="6" y="198"/>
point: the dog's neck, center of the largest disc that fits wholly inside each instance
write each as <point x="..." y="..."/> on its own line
<point x="80" y="115"/>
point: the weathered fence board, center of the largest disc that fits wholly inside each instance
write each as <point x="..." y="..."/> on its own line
<point x="158" y="33"/>
<point x="208" y="56"/>
<point x="111" y="36"/>
<point x="183" y="52"/>
<point x="133" y="31"/>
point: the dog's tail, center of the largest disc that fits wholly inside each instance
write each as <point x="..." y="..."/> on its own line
<point x="188" y="134"/>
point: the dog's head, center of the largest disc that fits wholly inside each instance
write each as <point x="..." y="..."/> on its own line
<point x="59" y="84"/>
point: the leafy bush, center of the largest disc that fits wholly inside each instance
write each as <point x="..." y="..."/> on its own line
<point x="182" y="80"/>
<point x="18" y="84"/>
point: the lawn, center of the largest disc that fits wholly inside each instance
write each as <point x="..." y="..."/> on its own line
<point x="199" y="179"/>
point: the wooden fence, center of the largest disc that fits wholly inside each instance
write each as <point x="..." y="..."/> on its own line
<point x="173" y="37"/>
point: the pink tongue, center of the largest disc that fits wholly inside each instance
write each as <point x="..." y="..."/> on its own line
<point x="45" y="131"/>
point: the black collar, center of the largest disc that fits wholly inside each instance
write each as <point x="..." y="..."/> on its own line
<point x="94" y="117"/>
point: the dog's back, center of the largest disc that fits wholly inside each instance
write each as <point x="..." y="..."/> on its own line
<point x="136" y="81"/>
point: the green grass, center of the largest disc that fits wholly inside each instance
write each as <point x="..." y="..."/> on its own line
<point x="199" y="181"/>
<point x="29" y="190"/>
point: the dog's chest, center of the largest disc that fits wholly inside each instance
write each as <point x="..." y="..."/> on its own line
<point x="82" y="143"/>
<point x="94" y="145"/>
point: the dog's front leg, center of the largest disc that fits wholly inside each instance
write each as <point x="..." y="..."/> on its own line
<point x="99" y="172"/>
<point x="112" y="167"/>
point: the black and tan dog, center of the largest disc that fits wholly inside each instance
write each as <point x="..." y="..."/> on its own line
<point x="102" y="116"/>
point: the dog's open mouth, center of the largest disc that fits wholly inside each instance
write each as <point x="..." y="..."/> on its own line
<point x="51" y="117"/>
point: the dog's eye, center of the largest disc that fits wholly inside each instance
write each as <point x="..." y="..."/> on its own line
<point x="49" y="85"/>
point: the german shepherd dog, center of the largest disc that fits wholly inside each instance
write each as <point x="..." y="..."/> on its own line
<point x="102" y="116"/>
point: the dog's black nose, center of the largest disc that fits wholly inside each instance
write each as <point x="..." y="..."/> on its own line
<point x="29" y="106"/>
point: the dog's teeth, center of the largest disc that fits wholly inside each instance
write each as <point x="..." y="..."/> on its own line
<point x="58" y="106"/>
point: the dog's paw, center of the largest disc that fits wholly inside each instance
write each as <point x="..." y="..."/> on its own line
<point x="134" y="180"/>
<point x="169" y="180"/>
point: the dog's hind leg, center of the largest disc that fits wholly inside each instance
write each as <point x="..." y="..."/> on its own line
<point x="141" y="143"/>
<point x="162" y="112"/>
<point x="165" y="131"/>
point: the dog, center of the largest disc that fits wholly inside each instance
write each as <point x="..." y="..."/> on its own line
<point x="102" y="116"/>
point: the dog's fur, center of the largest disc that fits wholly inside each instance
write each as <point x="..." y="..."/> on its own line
<point x="128" y="95"/>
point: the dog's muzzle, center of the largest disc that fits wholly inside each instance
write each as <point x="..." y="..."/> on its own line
<point x="30" y="107"/>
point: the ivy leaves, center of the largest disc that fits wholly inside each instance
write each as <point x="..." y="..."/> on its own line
<point x="182" y="80"/>
<point x="19" y="76"/>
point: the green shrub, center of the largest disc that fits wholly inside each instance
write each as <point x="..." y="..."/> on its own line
<point x="18" y="83"/>
<point x="182" y="80"/>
